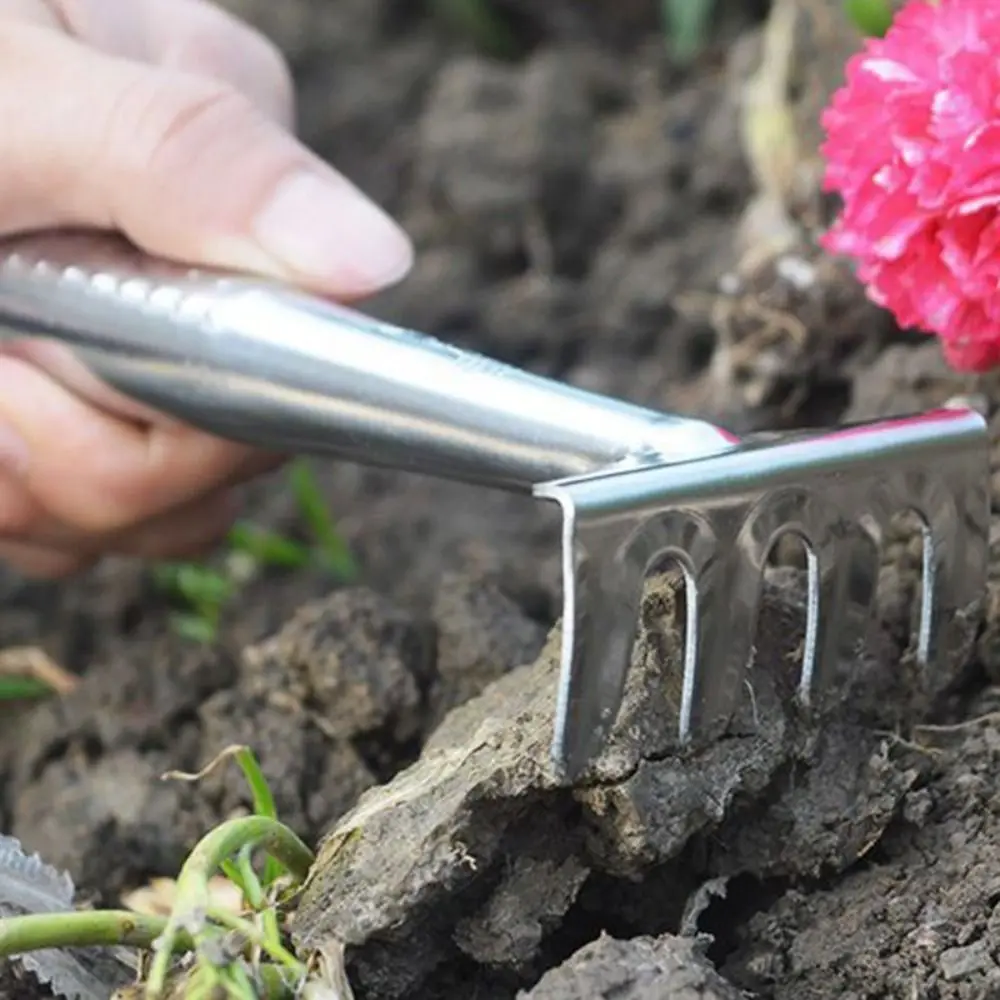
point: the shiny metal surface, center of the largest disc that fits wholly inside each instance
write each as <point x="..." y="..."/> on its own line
<point x="719" y="518"/>
<point x="261" y="364"/>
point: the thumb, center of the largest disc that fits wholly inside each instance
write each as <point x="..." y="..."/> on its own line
<point x="183" y="165"/>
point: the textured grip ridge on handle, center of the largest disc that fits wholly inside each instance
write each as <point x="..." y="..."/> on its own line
<point x="274" y="367"/>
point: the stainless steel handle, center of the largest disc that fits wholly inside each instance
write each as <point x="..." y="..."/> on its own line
<point x="266" y="365"/>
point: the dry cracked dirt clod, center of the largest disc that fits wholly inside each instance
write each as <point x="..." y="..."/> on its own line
<point x="333" y="702"/>
<point x="641" y="968"/>
<point x="475" y="858"/>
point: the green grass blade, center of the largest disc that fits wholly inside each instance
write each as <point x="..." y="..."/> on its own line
<point x="263" y="803"/>
<point x="263" y="800"/>
<point x="337" y="556"/>
<point x="197" y="585"/>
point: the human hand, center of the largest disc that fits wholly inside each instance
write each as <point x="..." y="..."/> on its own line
<point x="166" y="120"/>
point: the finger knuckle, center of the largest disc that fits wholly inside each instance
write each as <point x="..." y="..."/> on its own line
<point x="172" y="118"/>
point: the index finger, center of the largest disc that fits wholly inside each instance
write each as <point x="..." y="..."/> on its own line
<point x="199" y="37"/>
<point x="193" y="36"/>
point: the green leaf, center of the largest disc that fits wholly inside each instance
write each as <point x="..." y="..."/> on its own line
<point x="686" y="24"/>
<point x="193" y="583"/>
<point x="263" y="800"/>
<point x="202" y="586"/>
<point x="336" y="555"/>
<point x="194" y="627"/>
<point x="165" y="576"/>
<point x="872" y="17"/>
<point x="267" y="547"/>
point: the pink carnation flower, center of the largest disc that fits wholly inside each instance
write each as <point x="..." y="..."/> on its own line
<point x="913" y="149"/>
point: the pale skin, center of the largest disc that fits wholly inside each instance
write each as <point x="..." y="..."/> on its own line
<point x="170" y="122"/>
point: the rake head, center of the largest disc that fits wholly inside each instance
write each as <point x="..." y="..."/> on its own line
<point x="718" y="518"/>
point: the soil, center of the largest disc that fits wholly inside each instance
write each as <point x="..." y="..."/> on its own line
<point x="592" y="211"/>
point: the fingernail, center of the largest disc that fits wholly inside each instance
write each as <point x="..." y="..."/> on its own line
<point x="327" y="230"/>
<point x="14" y="454"/>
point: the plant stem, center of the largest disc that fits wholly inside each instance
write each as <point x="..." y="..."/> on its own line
<point x="277" y="983"/>
<point x="275" y="949"/>
<point x="23" y="688"/>
<point x="237" y="983"/>
<point x="228" y="838"/>
<point x="82" y="929"/>
<point x="192" y="900"/>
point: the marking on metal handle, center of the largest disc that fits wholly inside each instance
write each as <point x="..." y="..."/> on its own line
<point x="469" y="361"/>
<point x="159" y="297"/>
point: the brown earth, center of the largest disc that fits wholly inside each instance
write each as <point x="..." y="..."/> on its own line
<point x="588" y="211"/>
